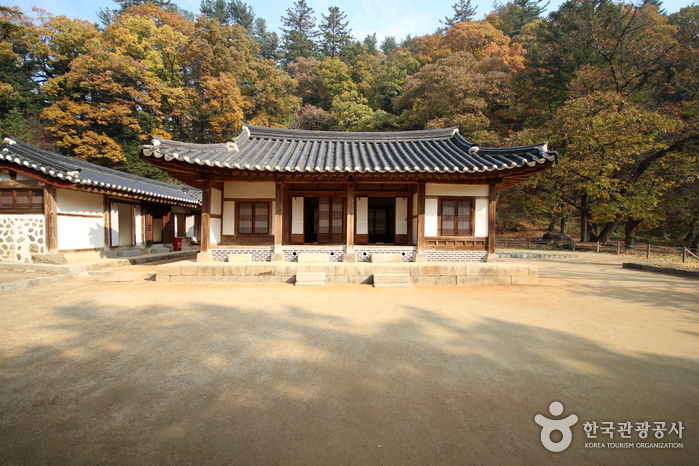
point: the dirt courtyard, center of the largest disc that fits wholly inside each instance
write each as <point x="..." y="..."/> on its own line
<point x="97" y="372"/>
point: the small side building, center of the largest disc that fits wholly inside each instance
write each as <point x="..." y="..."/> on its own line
<point x="52" y="205"/>
<point x="425" y="195"/>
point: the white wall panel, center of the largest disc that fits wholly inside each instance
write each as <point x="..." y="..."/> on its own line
<point x="215" y="231"/>
<point x="138" y="225"/>
<point x="216" y="201"/>
<point x="297" y="216"/>
<point x="69" y="201"/>
<point x="362" y="215"/>
<point x="431" y="217"/>
<point x="189" y="225"/>
<point x="481" y="228"/>
<point x="440" y="189"/>
<point x="401" y="215"/>
<point x="80" y="232"/>
<point x="229" y="217"/>
<point x="114" y="224"/>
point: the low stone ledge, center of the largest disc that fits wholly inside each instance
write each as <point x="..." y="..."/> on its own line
<point x="660" y="269"/>
<point x="378" y="258"/>
<point x="288" y="272"/>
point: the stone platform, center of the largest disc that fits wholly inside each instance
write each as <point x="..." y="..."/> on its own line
<point x="341" y="272"/>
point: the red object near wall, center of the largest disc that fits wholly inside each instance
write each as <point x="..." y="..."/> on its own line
<point x="177" y="244"/>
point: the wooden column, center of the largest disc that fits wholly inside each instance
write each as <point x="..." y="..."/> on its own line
<point x="421" y="218"/>
<point x="492" y="192"/>
<point x="350" y="218"/>
<point x="50" y="216"/>
<point x="206" y="216"/>
<point x="278" y="209"/>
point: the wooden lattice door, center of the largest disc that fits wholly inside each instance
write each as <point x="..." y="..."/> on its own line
<point x="331" y="220"/>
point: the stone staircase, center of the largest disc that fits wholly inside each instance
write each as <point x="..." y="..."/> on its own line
<point x="392" y="280"/>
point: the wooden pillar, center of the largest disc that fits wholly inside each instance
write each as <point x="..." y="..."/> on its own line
<point x="50" y="216"/>
<point x="206" y="216"/>
<point x="410" y="218"/>
<point x="492" y="192"/>
<point x="421" y="218"/>
<point x="350" y="218"/>
<point x="278" y="209"/>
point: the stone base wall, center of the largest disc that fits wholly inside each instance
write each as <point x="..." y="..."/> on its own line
<point x="363" y="254"/>
<point x="285" y="272"/>
<point x="21" y="235"/>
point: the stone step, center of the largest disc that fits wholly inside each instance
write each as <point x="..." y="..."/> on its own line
<point x="310" y="278"/>
<point x="129" y="253"/>
<point x="159" y="250"/>
<point x="386" y="280"/>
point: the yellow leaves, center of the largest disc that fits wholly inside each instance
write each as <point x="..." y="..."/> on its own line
<point x="91" y="145"/>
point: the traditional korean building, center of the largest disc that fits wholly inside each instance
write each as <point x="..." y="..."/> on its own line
<point x="276" y="193"/>
<point x="52" y="206"/>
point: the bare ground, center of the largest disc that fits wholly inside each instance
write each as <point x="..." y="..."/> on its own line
<point x="151" y="373"/>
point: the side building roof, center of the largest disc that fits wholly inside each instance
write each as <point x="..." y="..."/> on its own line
<point x="67" y="172"/>
<point x="273" y="150"/>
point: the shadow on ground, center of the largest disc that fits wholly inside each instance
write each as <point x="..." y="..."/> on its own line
<point x="367" y="379"/>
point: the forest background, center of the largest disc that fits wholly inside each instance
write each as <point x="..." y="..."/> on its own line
<point x="613" y="87"/>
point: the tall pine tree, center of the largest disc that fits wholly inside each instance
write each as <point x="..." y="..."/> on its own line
<point x="334" y="32"/>
<point x="463" y="11"/>
<point x="299" y="32"/>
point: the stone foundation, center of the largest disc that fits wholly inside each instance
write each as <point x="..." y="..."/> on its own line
<point x="363" y="254"/>
<point x="285" y="272"/>
<point x="21" y="235"/>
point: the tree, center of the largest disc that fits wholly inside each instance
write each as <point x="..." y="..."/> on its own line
<point x="370" y="44"/>
<point x="215" y="9"/>
<point x="388" y="45"/>
<point x="511" y="17"/>
<point x="334" y="32"/>
<point x="268" y="41"/>
<point x="241" y="13"/>
<point x="299" y="33"/>
<point x="463" y="11"/>
<point x="332" y="79"/>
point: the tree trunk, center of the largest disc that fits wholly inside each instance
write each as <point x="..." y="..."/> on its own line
<point x="552" y="225"/>
<point x="630" y="231"/>
<point x="607" y="231"/>
<point x="695" y="244"/>
<point x="564" y="225"/>
<point x="584" y="210"/>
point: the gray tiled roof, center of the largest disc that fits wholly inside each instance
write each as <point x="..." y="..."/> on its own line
<point x="88" y="174"/>
<point x="286" y="150"/>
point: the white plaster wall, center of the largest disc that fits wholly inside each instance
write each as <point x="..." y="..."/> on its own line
<point x="80" y="232"/>
<point x="216" y="201"/>
<point x="69" y="201"/>
<point x="414" y="218"/>
<point x="431" y="217"/>
<point x="362" y="215"/>
<point x="401" y="215"/>
<point x="5" y="177"/>
<point x="297" y="216"/>
<point x="114" y="224"/>
<point x="248" y="190"/>
<point x="138" y="225"/>
<point x="23" y="177"/>
<point x="471" y="190"/>
<point x="189" y="225"/>
<point x="215" y="231"/>
<point x="481" y="217"/>
<point x="271" y="220"/>
<point x="229" y="217"/>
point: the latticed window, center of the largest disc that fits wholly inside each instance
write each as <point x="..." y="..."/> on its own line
<point x="253" y="218"/>
<point x="455" y="217"/>
<point x="22" y="199"/>
<point x="331" y="220"/>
